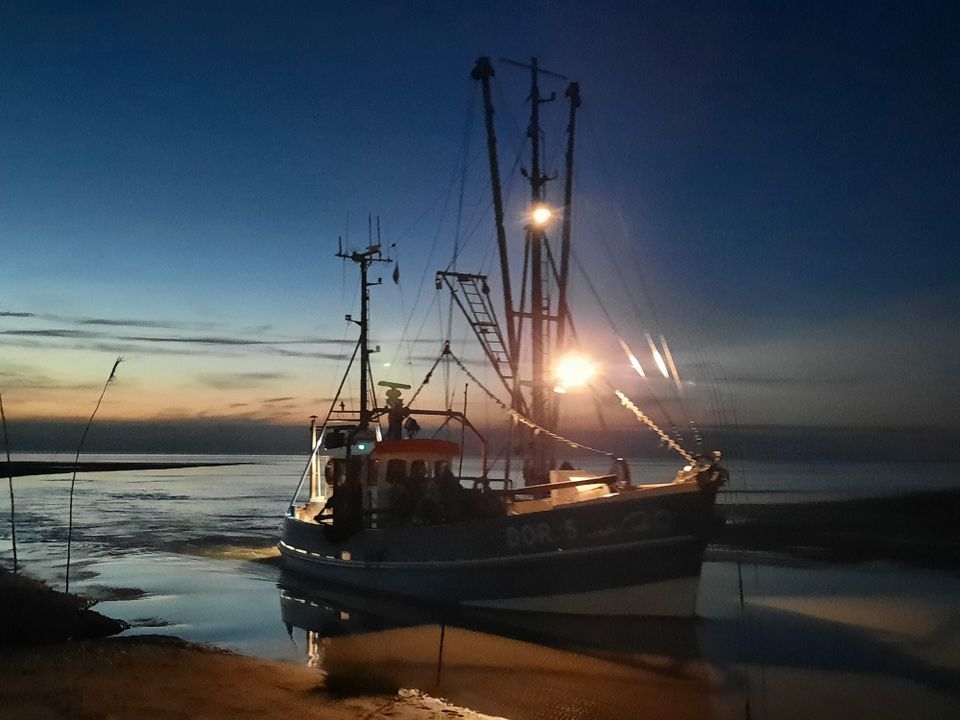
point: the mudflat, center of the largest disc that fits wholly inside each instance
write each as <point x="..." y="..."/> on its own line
<point x="22" y="468"/>
<point x="159" y="677"/>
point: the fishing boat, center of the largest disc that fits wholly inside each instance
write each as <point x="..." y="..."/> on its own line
<point x="381" y="508"/>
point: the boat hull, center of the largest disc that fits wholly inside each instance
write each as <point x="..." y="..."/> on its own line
<point x="631" y="554"/>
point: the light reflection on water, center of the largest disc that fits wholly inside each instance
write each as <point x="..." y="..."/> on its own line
<point x="877" y="640"/>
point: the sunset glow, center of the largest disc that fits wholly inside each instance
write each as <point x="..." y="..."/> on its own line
<point x="185" y="213"/>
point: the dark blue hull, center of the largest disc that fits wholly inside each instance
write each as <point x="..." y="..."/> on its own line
<point x="634" y="553"/>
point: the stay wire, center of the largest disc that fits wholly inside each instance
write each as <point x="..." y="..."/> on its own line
<point x="616" y="329"/>
<point x="522" y="419"/>
<point x="750" y="628"/>
<point x="641" y="282"/>
<point x="471" y="94"/>
<point x="617" y="264"/>
<point x="13" y="514"/>
<point x="636" y="308"/>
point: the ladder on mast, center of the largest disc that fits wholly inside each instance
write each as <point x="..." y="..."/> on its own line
<point x="472" y="295"/>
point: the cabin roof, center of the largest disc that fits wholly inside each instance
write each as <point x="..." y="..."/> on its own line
<point x="417" y="448"/>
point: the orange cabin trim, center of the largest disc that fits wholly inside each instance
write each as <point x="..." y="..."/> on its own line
<point x="417" y="448"/>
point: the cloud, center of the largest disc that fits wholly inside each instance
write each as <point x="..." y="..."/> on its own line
<point x="238" y="381"/>
<point x="110" y="322"/>
<point x="252" y="338"/>
<point x="193" y="340"/>
<point x="185" y="344"/>
<point x="52" y="333"/>
<point x="27" y="378"/>
<point x="164" y="324"/>
<point x="301" y="354"/>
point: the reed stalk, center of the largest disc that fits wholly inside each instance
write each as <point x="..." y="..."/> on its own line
<point x="76" y="463"/>
<point x="13" y="516"/>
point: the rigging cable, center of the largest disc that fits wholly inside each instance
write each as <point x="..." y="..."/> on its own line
<point x="751" y="628"/>
<point x="522" y="419"/>
<point x="508" y="187"/>
<point x="433" y="245"/>
<point x="616" y="329"/>
<point x="636" y="309"/>
<point x="643" y="285"/>
<point x="671" y="443"/>
<point x="750" y="512"/>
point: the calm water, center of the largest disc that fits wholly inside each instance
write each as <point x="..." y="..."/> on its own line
<point x="182" y="552"/>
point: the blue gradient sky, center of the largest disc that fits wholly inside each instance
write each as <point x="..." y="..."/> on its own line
<point x="780" y="178"/>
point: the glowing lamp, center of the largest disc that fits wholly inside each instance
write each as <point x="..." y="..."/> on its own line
<point x="541" y="215"/>
<point x="573" y="371"/>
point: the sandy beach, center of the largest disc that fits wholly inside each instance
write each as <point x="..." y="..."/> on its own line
<point x="160" y="677"/>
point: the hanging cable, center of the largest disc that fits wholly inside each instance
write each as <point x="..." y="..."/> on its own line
<point x="671" y="443"/>
<point x="615" y="327"/>
<point x="522" y="419"/>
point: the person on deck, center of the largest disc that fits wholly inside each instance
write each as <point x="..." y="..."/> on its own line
<point x="451" y="495"/>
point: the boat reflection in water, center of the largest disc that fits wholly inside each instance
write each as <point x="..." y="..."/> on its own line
<point x="515" y="665"/>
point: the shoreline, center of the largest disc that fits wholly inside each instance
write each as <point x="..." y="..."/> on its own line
<point x="918" y="529"/>
<point x="24" y="468"/>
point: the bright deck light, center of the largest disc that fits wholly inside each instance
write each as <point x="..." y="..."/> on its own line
<point x="541" y="215"/>
<point x="573" y="371"/>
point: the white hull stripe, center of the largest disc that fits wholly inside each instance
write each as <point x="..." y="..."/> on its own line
<point x="506" y="559"/>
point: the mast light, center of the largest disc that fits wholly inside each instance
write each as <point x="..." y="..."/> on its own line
<point x="541" y="215"/>
<point x="573" y="371"/>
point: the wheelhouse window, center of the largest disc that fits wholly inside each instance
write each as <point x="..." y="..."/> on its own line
<point x="419" y="470"/>
<point x="373" y="472"/>
<point x="396" y="470"/>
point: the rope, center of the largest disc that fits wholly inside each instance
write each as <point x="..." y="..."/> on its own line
<point x="427" y="377"/>
<point x="628" y="403"/>
<point x="523" y="420"/>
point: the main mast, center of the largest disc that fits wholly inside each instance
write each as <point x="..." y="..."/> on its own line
<point x="539" y="299"/>
<point x="539" y="264"/>
<point x="364" y="259"/>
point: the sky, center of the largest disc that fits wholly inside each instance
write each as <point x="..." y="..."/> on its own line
<point x="770" y="186"/>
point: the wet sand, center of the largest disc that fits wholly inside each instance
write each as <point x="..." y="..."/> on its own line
<point x="157" y="677"/>
<point x="55" y="662"/>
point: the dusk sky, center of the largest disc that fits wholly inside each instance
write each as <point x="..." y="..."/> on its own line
<point x="778" y="184"/>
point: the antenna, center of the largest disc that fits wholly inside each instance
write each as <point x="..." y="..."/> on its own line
<point x="526" y="66"/>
